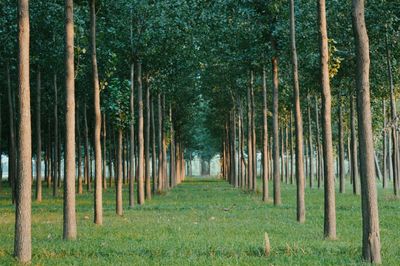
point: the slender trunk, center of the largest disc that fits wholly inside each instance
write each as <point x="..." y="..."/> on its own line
<point x="253" y="137"/>
<point x="291" y="137"/>
<point x="172" y="169"/>
<point x="22" y="243"/>
<point x="70" y="231"/>
<point x="318" y="163"/>
<point x="395" y="150"/>
<point x="164" y="145"/>
<point x="329" y="177"/>
<point x="12" y="163"/>
<point x="78" y="150"/>
<point x="38" y="142"/>
<point x="342" y="182"/>
<point x="160" y="154"/>
<point x="132" y="139"/>
<point x="140" y="136"/>
<point x="119" y="174"/>
<point x="239" y="161"/>
<point x="277" y="179"/>
<point x="384" y="148"/>
<point x="153" y="147"/>
<point x="104" y="157"/>
<point x="265" y="138"/>
<point x="354" y="149"/>
<point x="98" y="196"/>
<point x="371" y="249"/>
<point x="283" y="155"/>
<point x="87" y="155"/>
<point x="233" y="145"/>
<point x="56" y="154"/>
<point x="147" y="144"/>
<point x="249" y="136"/>
<point x="310" y="145"/>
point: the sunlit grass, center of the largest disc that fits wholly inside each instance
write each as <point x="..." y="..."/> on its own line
<point x="202" y="222"/>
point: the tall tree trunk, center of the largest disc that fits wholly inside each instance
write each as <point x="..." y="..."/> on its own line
<point x="147" y="144"/>
<point x="160" y="154"/>
<point x="253" y="137"/>
<point x="12" y="160"/>
<point x="249" y="136"/>
<point x="78" y="150"/>
<point x="119" y="175"/>
<point x="301" y="209"/>
<point x="87" y="155"/>
<point x="239" y="161"/>
<point x="291" y="137"/>
<point x="277" y="179"/>
<point x="98" y="195"/>
<point x="56" y="147"/>
<point x="22" y="243"/>
<point x="132" y="139"/>
<point x="164" y="145"/>
<point x="310" y="145"/>
<point x="395" y="150"/>
<point x="38" y="142"/>
<point x="104" y="157"/>
<point x="233" y="146"/>
<point x="354" y="149"/>
<point x="172" y="151"/>
<point x="69" y="186"/>
<point x="283" y="155"/>
<point x="318" y="134"/>
<point x="153" y="146"/>
<point x="140" y="136"/>
<point x="384" y="148"/>
<point x="371" y="239"/>
<point x="329" y="178"/>
<point x="342" y="181"/>
<point x="265" y="138"/>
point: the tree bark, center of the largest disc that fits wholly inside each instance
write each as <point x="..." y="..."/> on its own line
<point x="160" y="154"/>
<point x="371" y="239"/>
<point x="70" y="231"/>
<point x="277" y="179"/>
<point x="153" y="145"/>
<point x="354" y="149"/>
<point x="104" y="157"/>
<point x="140" y="136"/>
<point x="98" y="195"/>
<point x="56" y="164"/>
<point x="38" y="141"/>
<point x="301" y="209"/>
<point x="395" y="150"/>
<point x="342" y="181"/>
<point x="253" y="138"/>
<point x="22" y="243"/>
<point x="385" y="144"/>
<point x="78" y="150"/>
<point x="87" y="155"/>
<point x="132" y="140"/>
<point x="250" y="136"/>
<point x="329" y="178"/>
<point x="147" y="144"/>
<point x="12" y="163"/>
<point x="265" y="138"/>
<point x="118" y="197"/>
<point x="310" y="143"/>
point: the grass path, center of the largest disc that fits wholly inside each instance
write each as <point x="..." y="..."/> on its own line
<point x="202" y="222"/>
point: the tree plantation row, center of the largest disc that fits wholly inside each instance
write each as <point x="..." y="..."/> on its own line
<point x="127" y="93"/>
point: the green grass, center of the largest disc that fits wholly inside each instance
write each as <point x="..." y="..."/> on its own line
<point x="202" y="222"/>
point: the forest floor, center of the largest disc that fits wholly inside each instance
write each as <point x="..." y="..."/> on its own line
<point x="202" y="222"/>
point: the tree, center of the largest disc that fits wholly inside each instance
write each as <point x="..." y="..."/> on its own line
<point x="22" y="243"/>
<point x="70" y="231"/>
<point x="371" y="248"/>
<point x="301" y="216"/>
<point x="329" y="178"/>
<point x="98" y="197"/>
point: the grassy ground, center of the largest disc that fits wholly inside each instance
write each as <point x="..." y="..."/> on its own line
<point x="202" y="222"/>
